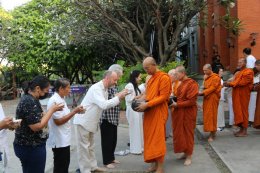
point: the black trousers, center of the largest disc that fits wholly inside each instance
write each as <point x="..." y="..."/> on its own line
<point x="108" y="141"/>
<point x="61" y="158"/>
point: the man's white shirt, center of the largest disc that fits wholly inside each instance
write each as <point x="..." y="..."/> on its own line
<point x="250" y="61"/>
<point x="95" y="101"/>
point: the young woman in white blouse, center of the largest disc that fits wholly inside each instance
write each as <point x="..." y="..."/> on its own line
<point x="135" y="119"/>
<point x="60" y="127"/>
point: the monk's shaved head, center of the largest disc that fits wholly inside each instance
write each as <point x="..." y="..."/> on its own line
<point x="181" y="73"/>
<point x="242" y="63"/>
<point x="207" y="66"/>
<point x="207" y="69"/>
<point x="181" y="69"/>
<point x="149" y="60"/>
<point x="149" y="65"/>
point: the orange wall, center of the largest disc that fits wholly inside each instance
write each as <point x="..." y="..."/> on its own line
<point x="246" y="10"/>
<point x="249" y="12"/>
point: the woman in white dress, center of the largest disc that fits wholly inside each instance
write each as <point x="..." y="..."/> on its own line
<point x="135" y="119"/>
<point x="221" y="112"/>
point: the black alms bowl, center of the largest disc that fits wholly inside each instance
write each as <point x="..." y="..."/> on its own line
<point x="136" y="103"/>
<point x="172" y="99"/>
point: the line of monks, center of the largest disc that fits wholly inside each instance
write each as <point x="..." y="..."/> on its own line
<point x="184" y="111"/>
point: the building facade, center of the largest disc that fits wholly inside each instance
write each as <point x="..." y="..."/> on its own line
<point x="188" y="46"/>
<point x="215" y="39"/>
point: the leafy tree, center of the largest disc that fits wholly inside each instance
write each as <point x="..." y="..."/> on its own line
<point x="132" y="23"/>
<point x="36" y="41"/>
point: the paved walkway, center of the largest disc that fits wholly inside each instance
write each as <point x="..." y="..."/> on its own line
<point x="239" y="155"/>
<point x="129" y="163"/>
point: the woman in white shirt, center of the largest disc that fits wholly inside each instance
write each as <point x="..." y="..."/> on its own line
<point x="221" y="112"/>
<point x="60" y="128"/>
<point x="135" y="119"/>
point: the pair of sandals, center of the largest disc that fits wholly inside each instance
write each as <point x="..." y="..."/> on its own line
<point x="111" y="166"/>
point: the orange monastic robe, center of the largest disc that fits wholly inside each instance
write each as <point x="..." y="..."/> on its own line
<point x="184" y="122"/>
<point x="212" y="88"/>
<point x="242" y="86"/>
<point x="175" y="87"/>
<point x="158" y="91"/>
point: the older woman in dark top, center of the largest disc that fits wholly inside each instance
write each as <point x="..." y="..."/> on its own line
<point x="30" y="138"/>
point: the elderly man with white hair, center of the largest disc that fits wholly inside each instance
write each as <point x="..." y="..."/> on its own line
<point x="108" y="124"/>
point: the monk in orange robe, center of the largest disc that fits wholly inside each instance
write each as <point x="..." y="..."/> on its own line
<point x="211" y="93"/>
<point x="185" y="114"/>
<point x="242" y="86"/>
<point x="257" y="88"/>
<point x="155" y="109"/>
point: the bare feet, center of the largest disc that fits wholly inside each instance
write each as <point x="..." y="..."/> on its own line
<point x="210" y="139"/>
<point x="235" y="127"/>
<point x="159" y="168"/>
<point x="110" y="166"/>
<point x="239" y="131"/>
<point x="98" y="169"/>
<point x="241" y="134"/>
<point x="159" y="171"/>
<point x="116" y="161"/>
<point x="182" y="156"/>
<point x="212" y="136"/>
<point x="187" y="162"/>
<point x="152" y="168"/>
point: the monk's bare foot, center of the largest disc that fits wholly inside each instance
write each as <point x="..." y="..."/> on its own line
<point x="241" y="134"/>
<point x="159" y="171"/>
<point x="159" y="168"/>
<point x="182" y="156"/>
<point x="235" y="127"/>
<point x="238" y="132"/>
<point x="151" y="169"/>
<point x="187" y="161"/>
<point x="210" y="139"/>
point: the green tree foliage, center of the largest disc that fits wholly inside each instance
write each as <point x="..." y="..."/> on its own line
<point x="132" y="22"/>
<point x="41" y="39"/>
